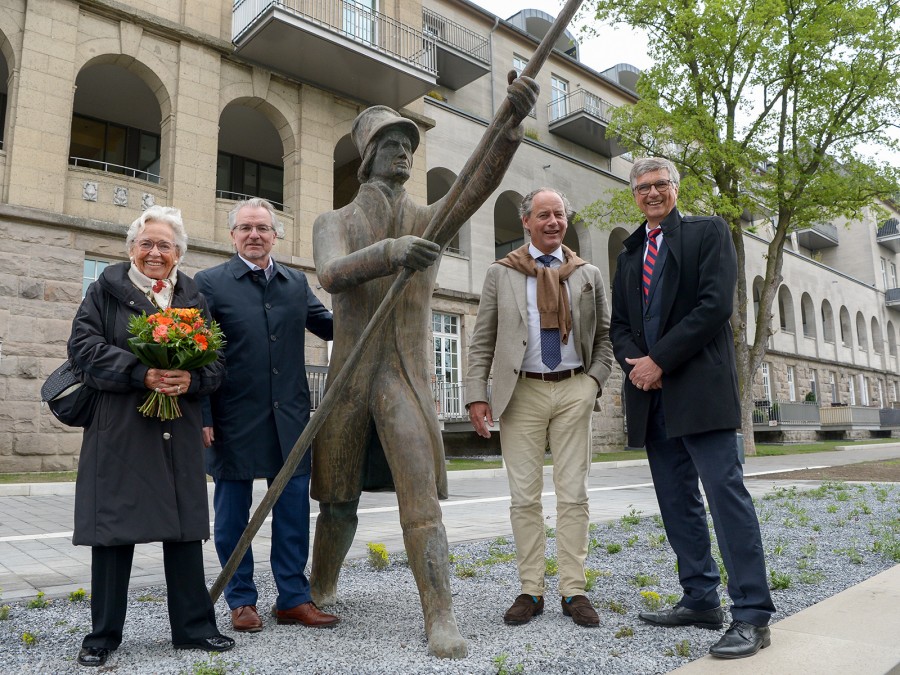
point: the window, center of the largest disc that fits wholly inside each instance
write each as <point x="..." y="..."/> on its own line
<point x="767" y="385"/>
<point x="559" y="104"/>
<point x="92" y="270"/>
<point x="518" y="64"/>
<point x="447" y="368"/>
<point x="834" y="390"/>
<point x="359" y="20"/>
<point x="880" y="388"/>
<point x="884" y="276"/>
<point x="792" y="390"/>
<point x="893" y="392"/>
<point x="2" y="117"/>
<point x="814" y="386"/>
<point x="114" y="148"/>
<point x="863" y="390"/>
<point x="852" y="390"/>
<point x="893" y="276"/>
<point x="241" y="178"/>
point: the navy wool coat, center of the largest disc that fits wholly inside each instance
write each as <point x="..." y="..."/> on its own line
<point x="695" y="345"/>
<point x="263" y="405"/>
<point x="139" y="479"/>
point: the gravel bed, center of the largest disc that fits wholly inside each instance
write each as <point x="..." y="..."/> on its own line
<point x="818" y="543"/>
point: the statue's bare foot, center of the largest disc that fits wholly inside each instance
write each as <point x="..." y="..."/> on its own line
<point x="444" y="639"/>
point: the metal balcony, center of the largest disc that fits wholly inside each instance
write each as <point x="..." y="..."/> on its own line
<point x="339" y="46"/>
<point x="461" y="55"/>
<point x="583" y="118"/>
<point x="820" y="235"/>
<point x="850" y="417"/>
<point x="889" y="235"/>
<point x="892" y="297"/>
<point x="785" y="414"/>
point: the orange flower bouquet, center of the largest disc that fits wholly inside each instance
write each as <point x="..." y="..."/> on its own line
<point x="175" y="338"/>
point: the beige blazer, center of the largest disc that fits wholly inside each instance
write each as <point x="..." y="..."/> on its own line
<point x="501" y="333"/>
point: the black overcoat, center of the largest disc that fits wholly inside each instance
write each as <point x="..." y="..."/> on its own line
<point x="695" y="347"/>
<point x="262" y="406"/>
<point x="139" y="479"/>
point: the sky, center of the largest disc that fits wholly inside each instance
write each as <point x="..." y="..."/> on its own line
<point x="619" y="45"/>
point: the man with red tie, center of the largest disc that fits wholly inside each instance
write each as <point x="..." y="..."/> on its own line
<point x="671" y="308"/>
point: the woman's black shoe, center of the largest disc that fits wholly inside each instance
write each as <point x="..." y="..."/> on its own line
<point x="93" y="656"/>
<point x="216" y="643"/>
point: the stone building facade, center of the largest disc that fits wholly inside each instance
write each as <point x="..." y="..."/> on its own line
<point x="109" y="106"/>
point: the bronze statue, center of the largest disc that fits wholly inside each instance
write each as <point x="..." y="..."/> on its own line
<point x="385" y="432"/>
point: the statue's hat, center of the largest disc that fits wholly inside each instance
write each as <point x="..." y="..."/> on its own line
<point x="372" y="121"/>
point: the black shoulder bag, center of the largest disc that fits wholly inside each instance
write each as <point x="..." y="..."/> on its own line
<point x="71" y="401"/>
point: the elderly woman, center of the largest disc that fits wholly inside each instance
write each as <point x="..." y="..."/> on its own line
<point x="141" y="479"/>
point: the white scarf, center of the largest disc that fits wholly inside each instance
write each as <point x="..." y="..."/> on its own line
<point x="158" y="291"/>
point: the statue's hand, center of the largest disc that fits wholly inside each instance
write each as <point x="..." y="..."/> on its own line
<point x="522" y="93"/>
<point x="414" y="252"/>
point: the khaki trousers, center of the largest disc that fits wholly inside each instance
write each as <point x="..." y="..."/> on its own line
<point x="558" y="412"/>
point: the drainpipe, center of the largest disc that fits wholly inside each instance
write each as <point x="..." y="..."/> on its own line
<point x="491" y="52"/>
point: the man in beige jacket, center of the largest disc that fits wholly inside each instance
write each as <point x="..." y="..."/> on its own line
<point x="543" y="322"/>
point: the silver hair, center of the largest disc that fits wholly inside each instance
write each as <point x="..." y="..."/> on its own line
<point x="528" y="202"/>
<point x="648" y="164"/>
<point x="256" y="203"/>
<point x="162" y="214"/>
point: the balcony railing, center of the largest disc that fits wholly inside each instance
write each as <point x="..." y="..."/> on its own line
<point x="315" y="378"/>
<point x="785" y="413"/>
<point x="452" y="34"/>
<point x="818" y="236"/>
<point x="583" y="118"/>
<point x="888" y="234"/>
<point x="580" y="101"/>
<point x="448" y="400"/>
<point x="892" y="297"/>
<point x="109" y="167"/>
<point x="851" y="416"/>
<point x="239" y="197"/>
<point x="348" y="19"/>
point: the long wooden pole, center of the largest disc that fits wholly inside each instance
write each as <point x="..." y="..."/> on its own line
<point x="435" y="231"/>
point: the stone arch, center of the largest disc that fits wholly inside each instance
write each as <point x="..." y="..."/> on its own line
<point x="614" y="246"/>
<point x="827" y="322"/>
<point x="508" y="231"/>
<point x="786" y="317"/>
<point x="807" y="316"/>
<point x="346" y="164"/>
<point x="891" y="339"/>
<point x="439" y="180"/>
<point x="863" y="341"/>
<point x="846" y="331"/>
<point x="877" y="337"/>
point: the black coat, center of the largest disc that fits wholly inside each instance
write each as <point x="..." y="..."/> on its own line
<point x="695" y="347"/>
<point x="139" y="479"/>
<point x="263" y="405"/>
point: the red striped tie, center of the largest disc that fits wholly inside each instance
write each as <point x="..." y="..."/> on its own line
<point x="650" y="261"/>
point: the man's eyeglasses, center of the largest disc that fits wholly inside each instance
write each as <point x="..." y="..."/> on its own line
<point x="147" y="245"/>
<point x="660" y="185"/>
<point x="245" y="228"/>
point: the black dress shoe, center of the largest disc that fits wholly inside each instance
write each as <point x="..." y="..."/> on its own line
<point x="93" y="656"/>
<point x="216" y="643"/>
<point x="713" y="618"/>
<point x="740" y="640"/>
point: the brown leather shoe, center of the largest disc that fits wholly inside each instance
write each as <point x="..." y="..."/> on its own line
<point x="523" y="609"/>
<point x="581" y="610"/>
<point x="246" y="619"/>
<point x="307" y="614"/>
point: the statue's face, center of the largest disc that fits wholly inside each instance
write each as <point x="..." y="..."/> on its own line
<point x="393" y="156"/>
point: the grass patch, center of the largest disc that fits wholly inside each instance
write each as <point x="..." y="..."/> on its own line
<point x="39" y="477"/>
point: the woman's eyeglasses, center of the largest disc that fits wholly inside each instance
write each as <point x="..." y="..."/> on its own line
<point x="147" y="245"/>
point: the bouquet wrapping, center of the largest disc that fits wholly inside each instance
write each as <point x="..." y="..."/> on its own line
<point x="175" y="338"/>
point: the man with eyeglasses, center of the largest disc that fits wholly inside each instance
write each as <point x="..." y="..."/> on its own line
<point x="262" y="407"/>
<point x="672" y="303"/>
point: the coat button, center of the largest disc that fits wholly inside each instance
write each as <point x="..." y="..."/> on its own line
<point x="275" y="404"/>
<point x="131" y="302"/>
<point x="268" y="305"/>
<point x="167" y="436"/>
<point x="274" y="371"/>
<point x="273" y="337"/>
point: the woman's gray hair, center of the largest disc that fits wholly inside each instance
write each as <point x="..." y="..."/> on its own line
<point x="163" y="214"/>
<point x="528" y="202"/>
<point x="256" y="203"/>
<point x="648" y="164"/>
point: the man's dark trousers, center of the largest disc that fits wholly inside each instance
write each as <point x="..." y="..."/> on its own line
<point x="677" y="466"/>
<point x="290" y="540"/>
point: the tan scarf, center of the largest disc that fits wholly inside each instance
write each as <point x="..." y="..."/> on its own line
<point x="552" y="298"/>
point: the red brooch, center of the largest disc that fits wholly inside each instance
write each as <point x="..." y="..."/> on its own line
<point x="158" y="285"/>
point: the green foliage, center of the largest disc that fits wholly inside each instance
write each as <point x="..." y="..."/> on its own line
<point x="613" y="548"/>
<point x="631" y="541"/>
<point x="591" y="576"/>
<point x="625" y="631"/>
<point x="78" y="596"/>
<point x="29" y="639"/>
<point x="651" y="600"/>
<point x="466" y="571"/>
<point x="671" y="599"/>
<point x="683" y="648"/>
<point x="549" y="532"/>
<point x="779" y="580"/>
<point x="641" y="580"/>
<point x="656" y="540"/>
<point x="551" y="567"/>
<point x="532" y="134"/>
<point x="39" y="602"/>
<point x="810" y="577"/>
<point x="503" y="668"/>
<point x="633" y="517"/>
<point x="378" y="555"/>
<point x="4" y="612"/>
<point x="616" y="606"/>
<point x="148" y="597"/>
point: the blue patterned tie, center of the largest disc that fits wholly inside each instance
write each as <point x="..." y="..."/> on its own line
<point x="550" y="348"/>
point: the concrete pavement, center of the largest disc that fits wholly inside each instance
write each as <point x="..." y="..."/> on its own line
<point x="36" y="553"/>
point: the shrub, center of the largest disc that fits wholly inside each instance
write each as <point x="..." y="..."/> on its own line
<point x="378" y="555"/>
